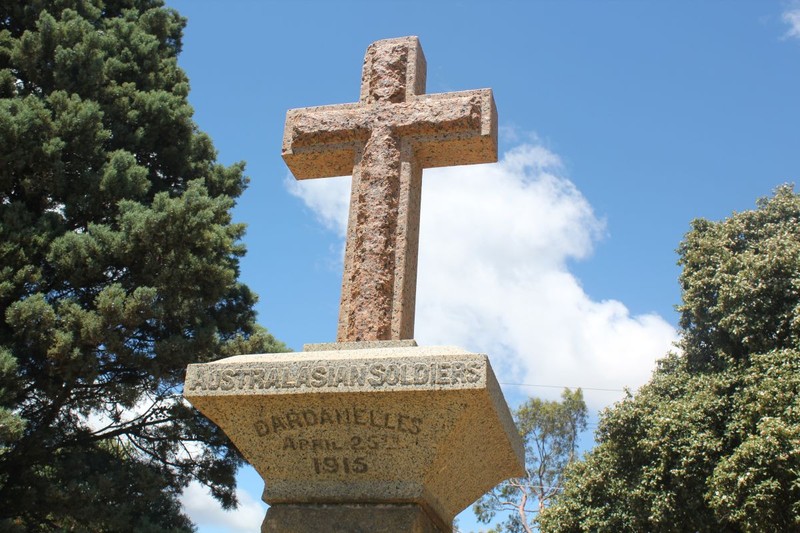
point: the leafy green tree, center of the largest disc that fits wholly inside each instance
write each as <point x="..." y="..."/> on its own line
<point x="712" y="442"/>
<point x="118" y="267"/>
<point x="550" y="431"/>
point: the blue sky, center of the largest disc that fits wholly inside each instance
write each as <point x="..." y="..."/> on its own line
<point x="620" y="123"/>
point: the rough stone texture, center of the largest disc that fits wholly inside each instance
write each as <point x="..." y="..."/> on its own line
<point x="359" y="345"/>
<point x="385" y="141"/>
<point x="414" y="425"/>
<point x="376" y="518"/>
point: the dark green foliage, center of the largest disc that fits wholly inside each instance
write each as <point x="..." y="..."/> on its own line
<point x="712" y="443"/>
<point x="118" y="267"/>
<point x="550" y="432"/>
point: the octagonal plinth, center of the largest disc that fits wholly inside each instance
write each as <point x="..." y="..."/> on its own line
<point x="399" y="425"/>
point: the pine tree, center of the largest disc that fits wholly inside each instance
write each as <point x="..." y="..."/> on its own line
<point x="119" y="266"/>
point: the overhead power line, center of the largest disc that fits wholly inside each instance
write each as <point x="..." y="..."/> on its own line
<point x="561" y="387"/>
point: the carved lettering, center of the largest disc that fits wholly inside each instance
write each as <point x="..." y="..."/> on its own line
<point x="457" y="372"/>
<point x="374" y="442"/>
<point x="310" y="417"/>
<point x="257" y="378"/>
<point x="212" y="383"/>
<point x="337" y="464"/>
<point x="262" y="428"/>
<point x="392" y="375"/>
<point x="358" y="375"/>
<point x="421" y="374"/>
<point x="359" y="416"/>
<point x="473" y="371"/>
<point x="196" y="381"/>
<point x="374" y="375"/>
<point x="325" y="417"/>
<point x="293" y="420"/>
<point x="342" y="376"/>
<point x="443" y="374"/>
<point x="319" y="376"/>
<point x="377" y="372"/>
<point x="353" y="416"/>
<point x="228" y="382"/>
<point x="278" y="424"/>
<point x="302" y="376"/>
<point x="272" y="378"/>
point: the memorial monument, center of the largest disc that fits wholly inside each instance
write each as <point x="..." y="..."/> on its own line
<point x="372" y="432"/>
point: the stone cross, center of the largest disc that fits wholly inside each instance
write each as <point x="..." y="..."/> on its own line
<point x="385" y="140"/>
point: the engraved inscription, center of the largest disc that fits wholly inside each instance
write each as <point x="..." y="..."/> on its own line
<point x="351" y="416"/>
<point x="336" y="465"/>
<point x="355" y="443"/>
<point x="332" y="376"/>
<point x="340" y="440"/>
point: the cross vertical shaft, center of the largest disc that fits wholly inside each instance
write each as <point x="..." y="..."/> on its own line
<point x="380" y="258"/>
<point x="385" y="141"/>
<point x="379" y="279"/>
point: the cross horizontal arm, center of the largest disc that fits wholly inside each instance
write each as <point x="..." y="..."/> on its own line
<point x="320" y="142"/>
<point x="445" y="129"/>
<point x="462" y="132"/>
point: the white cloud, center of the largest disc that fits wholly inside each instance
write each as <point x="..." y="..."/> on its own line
<point x="206" y="512"/>
<point x="792" y="18"/>
<point x="328" y="199"/>
<point x="493" y="277"/>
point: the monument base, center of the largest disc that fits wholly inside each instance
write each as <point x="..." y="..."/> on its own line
<point x="350" y="518"/>
<point x="396" y="434"/>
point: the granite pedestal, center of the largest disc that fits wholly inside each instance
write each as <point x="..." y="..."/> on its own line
<point x="347" y="439"/>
